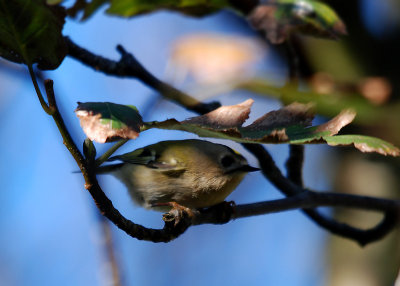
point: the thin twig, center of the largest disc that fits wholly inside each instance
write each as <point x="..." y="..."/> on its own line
<point x="293" y="61"/>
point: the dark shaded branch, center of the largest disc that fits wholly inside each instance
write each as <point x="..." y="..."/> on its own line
<point x="128" y="66"/>
<point x="294" y="164"/>
<point x="289" y="188"/>
<point x="293" y="61"/>
<point x="244" y="6"/>
<point x="221" y="214"/>
<point x="311" y="199"/>
<point x="224" y="212"/>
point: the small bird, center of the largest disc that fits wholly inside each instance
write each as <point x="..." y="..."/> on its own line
<point x="192" y="173"/>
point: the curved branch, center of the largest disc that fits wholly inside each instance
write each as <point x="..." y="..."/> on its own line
<point x="128" y="66"/>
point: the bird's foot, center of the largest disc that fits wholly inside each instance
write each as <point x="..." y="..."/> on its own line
<point x="177" y="213"/>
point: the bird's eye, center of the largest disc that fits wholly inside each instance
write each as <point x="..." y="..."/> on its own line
<point x="227" y="161"/>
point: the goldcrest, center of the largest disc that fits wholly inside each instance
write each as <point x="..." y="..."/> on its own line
<point x="192" y="173"/>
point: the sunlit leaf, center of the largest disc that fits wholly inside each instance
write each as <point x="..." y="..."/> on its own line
<point x="278" y="18"/>
<point x="30" y="32"/>
<point x="106" y="122"/>
<point x="224" y="116"/>
<point x="129" y="8"/>
<point x="334" y="125"/>
<point x="364" y="144"/>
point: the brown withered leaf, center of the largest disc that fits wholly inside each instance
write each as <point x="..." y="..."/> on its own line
<point x="279" y="18"/>
<point x="292" y="114"/>
<point x="262" y="18"/>
<point x="290" y="124"/>
<point x="224" y="117"/>
<point x="106" y="122"/>
<point x="334" y="125"/>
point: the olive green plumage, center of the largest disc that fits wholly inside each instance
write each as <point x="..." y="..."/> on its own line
<point x="193" y="173"/>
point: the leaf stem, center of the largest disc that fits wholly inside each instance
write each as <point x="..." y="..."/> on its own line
<point x="100" y="160"/>
<point x="43" y="103"/>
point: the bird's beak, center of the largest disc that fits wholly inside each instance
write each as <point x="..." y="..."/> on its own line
<point x="248" y="168"/>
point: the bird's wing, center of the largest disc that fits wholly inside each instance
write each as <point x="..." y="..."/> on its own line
<point x="149" y="158"/>
<point x="141" y="156"/>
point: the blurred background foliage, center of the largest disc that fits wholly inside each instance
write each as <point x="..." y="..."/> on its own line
<point x="367" y="59"/>
<point x="360" y="70"/>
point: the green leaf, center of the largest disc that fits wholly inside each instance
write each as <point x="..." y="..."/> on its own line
<point x="54" y="2"/>
<point x="30" y="32"/>
<point x="92" y="7"/>
<point x="364" y="144"/>
<point x="106" y="122"/>
<point x="129" y="8"/>
<point x="89" y="150"/>
<point x="279" y="18"/>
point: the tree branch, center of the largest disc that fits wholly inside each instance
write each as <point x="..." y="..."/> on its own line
<point x="294" y="164"/>
<point x="128" y="66"/>
<point x="287" y="187"/>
